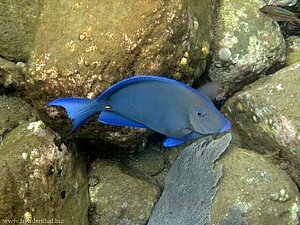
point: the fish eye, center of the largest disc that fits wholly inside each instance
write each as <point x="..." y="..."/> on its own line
<point x="200" y="113"/>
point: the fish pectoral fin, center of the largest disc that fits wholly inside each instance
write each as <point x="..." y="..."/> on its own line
<point x="178" y="133"/>
<point x="170" y="142"/>
<point x="115" y="119"/>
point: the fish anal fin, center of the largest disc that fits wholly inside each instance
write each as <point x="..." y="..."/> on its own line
<point x="170" y="142"/>
<point x="115" y="119"/>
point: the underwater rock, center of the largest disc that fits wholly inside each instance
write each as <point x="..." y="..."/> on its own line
<point x="41" y="179"/>
<point x="235" y="216"/>
<point x="293" y="50"/>
<point x="293" y="5"/>
<point x="82" y="48"/>
<point x="254" y="190"/>
<point x="125" y="222"/>
<point x="11" y="75"/>
<point x="13" y="111"/>
<point x="116" y="195"/>
<point x="191" y="185"/>
<point x="18" y="21"/>
<point x="266" y="114"/>
<point x="150" y="164"/>
<point x="253" y="43"/>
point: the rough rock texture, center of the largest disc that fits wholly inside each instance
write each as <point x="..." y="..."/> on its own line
<point x="151" y="164"/>
<point x="246" y="44"/>
<point x="190" y="185"/>
<point x="125" y="222"/>
<point x="235" y="216"/>
<point x="40" y="180"/>
<point x="290" y="4"/>
<point x="11" y="75"/>
<point x="116" y="195"/>
<point x="266" y="114"/>
<point x="293" y="50"/>
<point x="18" y="24"/>
<point x="13" y="111"/>
<point x="263" y="193"/>
<point x="82" y="48"/>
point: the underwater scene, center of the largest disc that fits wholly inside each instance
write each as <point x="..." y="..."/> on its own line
<point x="150" y="112"/>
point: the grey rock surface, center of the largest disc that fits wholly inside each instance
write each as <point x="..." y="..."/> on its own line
<point x="235" y="216"/>
<point x="246" y="44"/>
<point x="125" y="222"/>
<point x="190" y="185"/>
<point x="266" y="115"/>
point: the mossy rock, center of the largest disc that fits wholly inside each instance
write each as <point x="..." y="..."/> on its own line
<point x="83" y="48"/>
<point x="41" y="179"/>
<point x="266" y="115"/>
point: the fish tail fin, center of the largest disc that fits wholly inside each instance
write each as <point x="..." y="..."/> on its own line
<point x="79" y="109"/>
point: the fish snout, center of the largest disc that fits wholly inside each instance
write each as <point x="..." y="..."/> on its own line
<point x="226" y="127"/>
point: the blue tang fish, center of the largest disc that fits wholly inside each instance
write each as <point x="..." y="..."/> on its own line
<point x="164" y="105"/>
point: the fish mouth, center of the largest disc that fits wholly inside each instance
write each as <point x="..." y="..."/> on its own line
<point x="226" y="127"/>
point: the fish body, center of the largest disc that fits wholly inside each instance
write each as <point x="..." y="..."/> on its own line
<point x="280" y="14"/>
<point x="164" y="105"/>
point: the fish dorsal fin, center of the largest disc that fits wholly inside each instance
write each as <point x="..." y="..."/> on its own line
<point x="210" y="89"/>
<point x="114" y="88"/>
<point x="170" y="142"/>
<point x="115" y="119"/>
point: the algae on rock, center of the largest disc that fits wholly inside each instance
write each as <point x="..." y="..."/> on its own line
<point x="263" y="193"/>
<point x="266" y="115"/>
<point x="246" y="44"/>
<point x="18" y="21"/>
<point x="41" y="180"/>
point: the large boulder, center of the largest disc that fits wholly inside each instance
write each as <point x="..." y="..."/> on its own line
<point x="12" y="75"/>
<point x="117" y="195"/>
<point x="42" y="181"/>
<point x="208" y="185"/>
<point x="18" y="21"/>
<point x="13" y="112"/>
<point x="246" y="44"/>
<point x="266" y="115"/>
<point x="255" y="188"/>
<point x="82" y="48"/>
